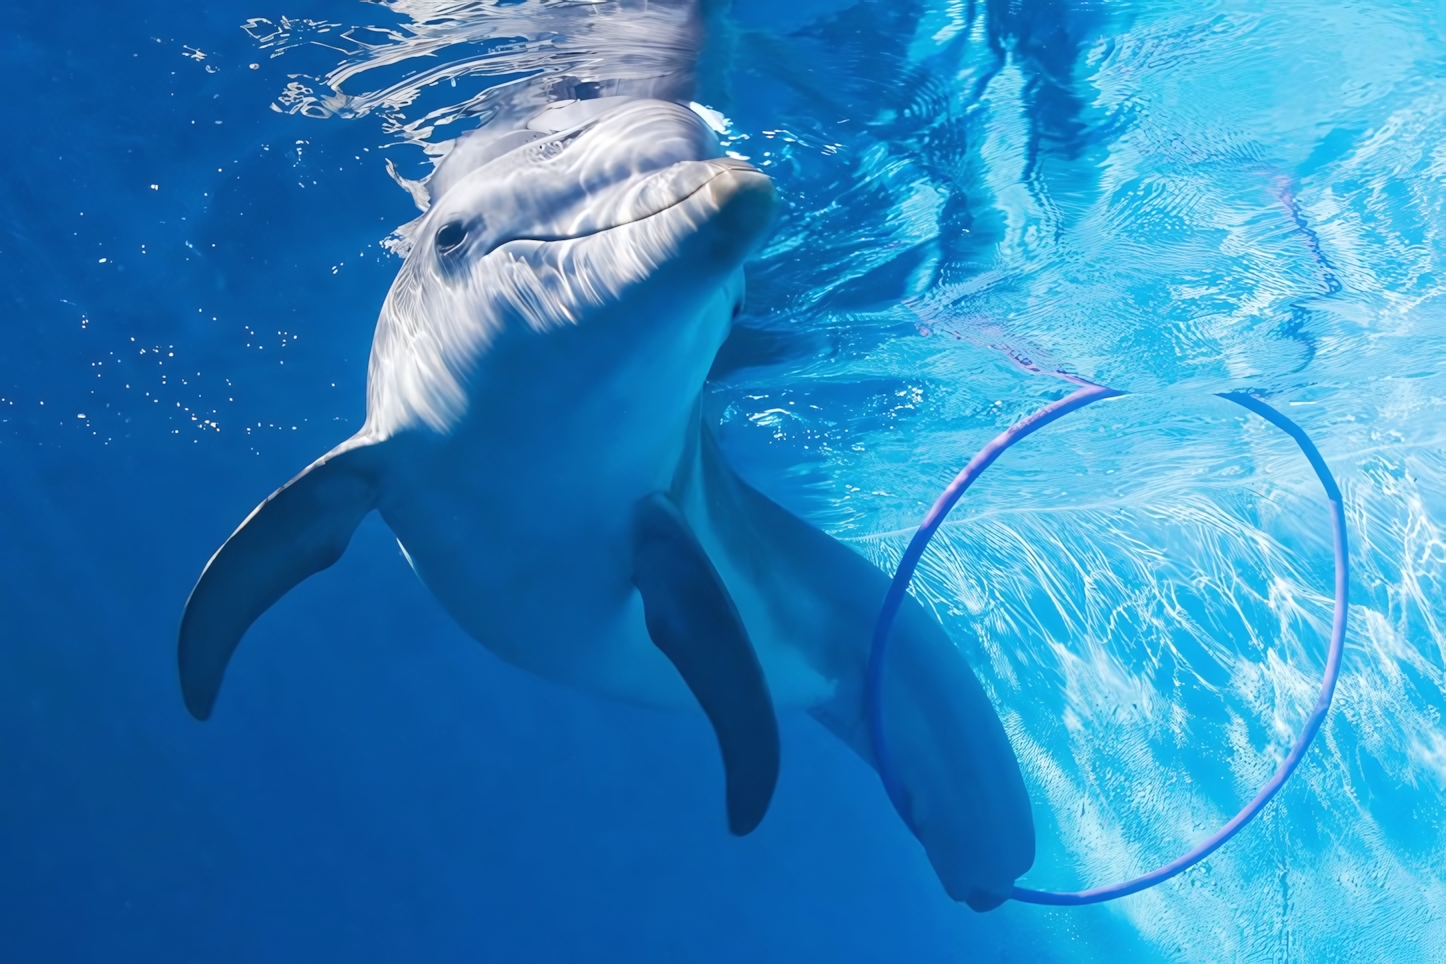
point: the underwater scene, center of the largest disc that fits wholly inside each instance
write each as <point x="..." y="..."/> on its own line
<point x="619" y="352"/>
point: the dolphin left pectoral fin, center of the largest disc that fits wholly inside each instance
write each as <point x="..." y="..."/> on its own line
<point x="693" y="620"/>
<point x="301" y="529"/>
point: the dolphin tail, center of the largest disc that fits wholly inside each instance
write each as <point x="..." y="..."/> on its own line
<point x="301" y="529"/>
<point x="964" y="795"/>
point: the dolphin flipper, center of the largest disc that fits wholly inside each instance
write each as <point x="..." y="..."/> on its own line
<point x="301" y="529"/>
<point x="693" y="620"/>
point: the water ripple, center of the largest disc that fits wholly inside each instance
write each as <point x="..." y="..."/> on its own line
<point x="1170" y="199"/>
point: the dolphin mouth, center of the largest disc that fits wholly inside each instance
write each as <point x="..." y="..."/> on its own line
<point x="679" y="184"/>
<point x="657" y="194"/>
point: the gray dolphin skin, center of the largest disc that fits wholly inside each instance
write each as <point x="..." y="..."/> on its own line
<point x="534" y="437"/>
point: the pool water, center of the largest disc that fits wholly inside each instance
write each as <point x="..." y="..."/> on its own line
<point x="1172" y="199"/>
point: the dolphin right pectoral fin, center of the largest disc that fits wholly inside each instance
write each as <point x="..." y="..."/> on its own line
<point x="301" y="529"/>
<point x="693" y="620"/>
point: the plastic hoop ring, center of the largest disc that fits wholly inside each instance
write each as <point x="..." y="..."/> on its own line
<point x="1085" y="395"/>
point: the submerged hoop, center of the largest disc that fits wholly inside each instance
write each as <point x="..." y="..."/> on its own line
<point x="1087" y="393"/>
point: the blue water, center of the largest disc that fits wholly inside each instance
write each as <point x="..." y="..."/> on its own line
<point x="1170" y="198"/>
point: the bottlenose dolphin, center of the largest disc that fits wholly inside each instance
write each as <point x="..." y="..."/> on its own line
<point x="534" y="437"/>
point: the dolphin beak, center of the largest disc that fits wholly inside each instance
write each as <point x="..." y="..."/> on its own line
<point x="744" y="199"/>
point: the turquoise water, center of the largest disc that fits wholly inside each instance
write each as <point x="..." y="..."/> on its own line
<point x="1172" y="199"/>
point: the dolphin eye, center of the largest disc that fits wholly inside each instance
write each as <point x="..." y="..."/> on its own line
<point x="556" y="146"/>
<point x="450" y="236"/>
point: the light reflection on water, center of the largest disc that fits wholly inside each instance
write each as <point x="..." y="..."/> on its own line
<point x="1172" y="200"/>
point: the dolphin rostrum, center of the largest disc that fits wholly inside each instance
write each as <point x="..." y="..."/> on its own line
<point x="535" y="440"/>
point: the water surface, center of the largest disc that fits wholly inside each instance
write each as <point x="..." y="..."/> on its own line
<point x="1170" y="198"/>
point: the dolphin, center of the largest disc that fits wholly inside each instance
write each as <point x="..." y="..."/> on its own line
<point x="535" y="439"/>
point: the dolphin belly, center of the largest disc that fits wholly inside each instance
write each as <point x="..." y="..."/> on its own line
<point x="545" y="588"/>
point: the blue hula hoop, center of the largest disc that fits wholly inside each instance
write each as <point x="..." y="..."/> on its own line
<point x="1085" y="395"/>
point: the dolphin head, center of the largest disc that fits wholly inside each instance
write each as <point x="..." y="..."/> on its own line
<point x="554" y="228"/>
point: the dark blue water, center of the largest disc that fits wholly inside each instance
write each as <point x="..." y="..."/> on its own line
<point x="1173" y="200"/>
